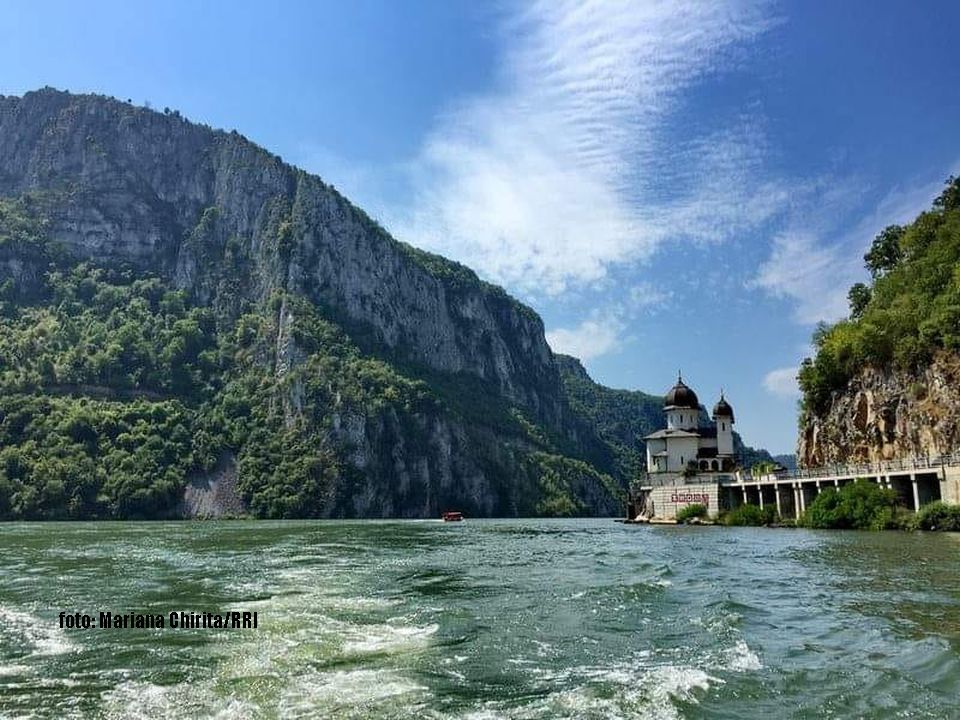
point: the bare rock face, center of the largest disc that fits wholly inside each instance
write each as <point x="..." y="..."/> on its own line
<point x="127" y="184"/>
<point x="886" y="415"/>
<point x="214" y="495"/>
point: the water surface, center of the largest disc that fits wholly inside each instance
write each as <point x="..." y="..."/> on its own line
<point x="482" y="619"/>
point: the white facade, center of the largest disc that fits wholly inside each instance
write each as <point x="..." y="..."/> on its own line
<point x="724" y="435"/>
<point x="683" y="418"/>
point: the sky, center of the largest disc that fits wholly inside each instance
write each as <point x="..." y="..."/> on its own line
<point x="672" y="186"/>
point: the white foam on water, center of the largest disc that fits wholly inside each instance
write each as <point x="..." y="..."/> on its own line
<point x="741" y="658"/>
<point x="148" y="701"/>
<point x="649" y="693"/>
<point x="42" y="635"/>
<point x="8" y="670"/>
<point x="320" y="694"/>
<point x="388" y="638"/>
<point x="639" y="691"/>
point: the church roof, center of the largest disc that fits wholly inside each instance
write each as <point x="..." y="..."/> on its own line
<point x="723" y="408"/>
<point x="681" y="396"/>
<point x="669" y="433"/>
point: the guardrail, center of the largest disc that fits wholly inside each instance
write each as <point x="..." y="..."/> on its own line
<point x="915" y="463"/>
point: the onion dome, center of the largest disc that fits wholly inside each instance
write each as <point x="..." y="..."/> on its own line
<point x="681" y="396"/>
<point x="723" y="408"/>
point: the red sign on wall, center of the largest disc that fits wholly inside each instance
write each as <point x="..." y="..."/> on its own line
<point x="685" y="498"/>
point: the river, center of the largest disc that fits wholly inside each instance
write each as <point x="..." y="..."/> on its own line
<point x="481" y="619"/>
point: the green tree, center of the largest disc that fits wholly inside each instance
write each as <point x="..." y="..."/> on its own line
<point x="859" y="298"/>
<point x="949" y="199"/>
<point x="885" y="253"/>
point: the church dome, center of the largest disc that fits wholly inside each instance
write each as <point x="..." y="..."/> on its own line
<point x="723" y="408"/>
<point x="681" y="396"/>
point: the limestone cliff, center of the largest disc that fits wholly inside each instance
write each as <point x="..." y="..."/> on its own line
<point x="125" y="184"/>
<point x="327" y="330"/>
<point x="885" y="414"/>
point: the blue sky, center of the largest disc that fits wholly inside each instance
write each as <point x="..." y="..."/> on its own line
<point x="670" y="185"/>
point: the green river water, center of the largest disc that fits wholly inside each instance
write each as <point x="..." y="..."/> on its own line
<point x="481" y="619"/>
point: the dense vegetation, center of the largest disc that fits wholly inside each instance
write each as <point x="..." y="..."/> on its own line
<point x="620" y="417"/>
<point x="862" y="505"/>
<point x="939" y="516"/>
<point x="691" y="511"/>
<point x="750" y="515"/>
<point x="909" y="311"/>
<point x="116" y="389"/>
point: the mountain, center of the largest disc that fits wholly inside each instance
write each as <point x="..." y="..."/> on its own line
<point x="186" y="315"/>
<point x="788" y="461"/>
<point x="885" y="382"/>
<point x="190" y="326"/>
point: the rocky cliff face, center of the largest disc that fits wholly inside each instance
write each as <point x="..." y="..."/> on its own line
<point x="125" y="184"/>
<point x="884" y="414"/>
<point x="248" y="236"/>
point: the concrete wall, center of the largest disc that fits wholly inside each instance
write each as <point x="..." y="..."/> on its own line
<point x="950" y="489"/>
<point x="667" y="500"/>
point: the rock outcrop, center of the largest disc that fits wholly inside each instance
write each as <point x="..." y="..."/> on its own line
<point x="126" y="184"/>
<point x="884" y="414"/>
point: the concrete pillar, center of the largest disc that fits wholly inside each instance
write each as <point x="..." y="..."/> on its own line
<point x="916" y="492"/>
<point x="803" y="500"/>
<point x="836" y="482"/>
<point x="760" y="494"/>
<point x="776" y="494"/>
<point x="819" y="489"/>
<point x="744" y="494"/>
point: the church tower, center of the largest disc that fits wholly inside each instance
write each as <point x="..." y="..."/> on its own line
<point x="723" y="417"/>
<point x="682" y="407"/>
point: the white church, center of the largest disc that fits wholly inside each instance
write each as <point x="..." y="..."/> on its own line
<point x="684" y="445"/>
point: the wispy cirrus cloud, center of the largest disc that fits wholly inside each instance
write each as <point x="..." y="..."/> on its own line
<point x="571" y="166"/>
<point x="813" y="263"/>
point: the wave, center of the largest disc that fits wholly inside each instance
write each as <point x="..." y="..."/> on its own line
<point x="40" y="634"/>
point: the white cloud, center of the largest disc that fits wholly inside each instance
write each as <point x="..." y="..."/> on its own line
<point x="590" y="339"/>
<point x="815" y="276"/>
<point x="814" y="264"/>
<point x="782" y="382"/>
<point x="567" y="169"/>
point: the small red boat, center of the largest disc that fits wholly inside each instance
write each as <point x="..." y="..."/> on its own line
<point x="452" y="516"/>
